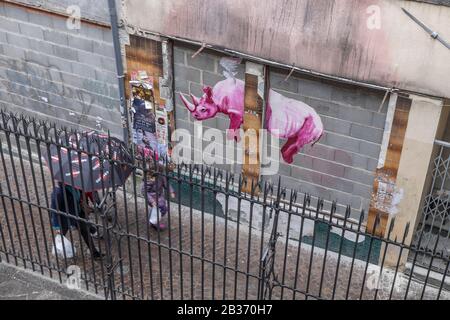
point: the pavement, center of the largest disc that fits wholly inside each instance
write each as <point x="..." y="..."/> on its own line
<point x="20" y="284"/>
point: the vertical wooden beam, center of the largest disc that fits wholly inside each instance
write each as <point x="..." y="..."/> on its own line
<point x="253" y="109"/>
<point x="384" y="186"/>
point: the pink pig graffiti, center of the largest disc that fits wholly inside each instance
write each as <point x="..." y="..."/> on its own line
<point x="285" y="118"/>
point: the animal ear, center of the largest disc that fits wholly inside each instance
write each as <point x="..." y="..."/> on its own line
<point x="208" y="91"/>
<point x="195" y="100"/>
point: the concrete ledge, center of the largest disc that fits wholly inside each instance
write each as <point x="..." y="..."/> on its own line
<point x="20" y="284"/>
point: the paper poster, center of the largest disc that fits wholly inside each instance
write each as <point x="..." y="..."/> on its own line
<point x="150" y="120"/>
<point x="143" y="112"/>
<point x="162" y="133"/>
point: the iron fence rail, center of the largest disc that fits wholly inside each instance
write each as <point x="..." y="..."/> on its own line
<point x="220" y="243"/>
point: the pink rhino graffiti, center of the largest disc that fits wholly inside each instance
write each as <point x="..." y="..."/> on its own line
<point x="285" y="118"/>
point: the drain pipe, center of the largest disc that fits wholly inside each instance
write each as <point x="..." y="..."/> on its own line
<point x="119" y="67"/>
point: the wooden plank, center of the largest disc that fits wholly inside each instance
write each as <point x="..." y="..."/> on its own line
<point x="144" y="54"/>
<point x="385" y="177"/>
<point x="253" y="106"/>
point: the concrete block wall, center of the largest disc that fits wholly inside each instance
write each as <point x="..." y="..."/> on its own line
<point x="56" y="73"/>
<point x="341" y="165"/>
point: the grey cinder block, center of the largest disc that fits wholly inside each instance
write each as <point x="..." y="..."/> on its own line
<point x="9" y="25"/>
<point x="336" y="125"/>
<point x="316" y="89"/>
<point x="328" y="167"/>
<point x="89" y="58"/>
<point x="31" y="31"/>
<point x="44" y="20"/>
<point x="36" y="57"/>
<point x="55" y="37"/>
<point x="196" y="89"/>
<point x="201" y="61"/>
<point x="65" y="52"/>
<point x="186" y="73"/>
<point x="103" y="49"/>
<point x="210" y="78"/>
<point x="379" y="120"/>
<point x="342" y="142"/>
<point x="362" y="190"/>
<point x="18" y="77"/>
<point x="17" y="40"/>
<point x="356" y="115"/>
<point x="40" y="46"/>
<point x="179" y="56"/>
<point x="80" y="43"/>
<point x="13" y="52"/>
<point x="360" y="176"/>
<point x="277" y="82"/>
<point x="337" y="184"/>
<point x="60" y="64"/>
<point x="366" y="133"/>
<point x="83" y="70"/>
<point x="319" y="150"/>
<point x="181" y="86"/>
<point x="105" y="76"/>
<point x="370" y="149"/>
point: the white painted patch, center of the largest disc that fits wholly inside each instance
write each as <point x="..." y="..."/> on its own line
<point x="396" y="199"/>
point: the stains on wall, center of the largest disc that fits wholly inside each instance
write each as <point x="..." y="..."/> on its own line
<point x="340" y="37"/>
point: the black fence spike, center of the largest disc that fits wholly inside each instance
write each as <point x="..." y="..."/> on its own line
<point x="391" y="227"/>
<point x="348" y="211"/>
<point x="405" y="233"/>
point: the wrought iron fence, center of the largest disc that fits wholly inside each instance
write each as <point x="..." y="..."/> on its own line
<point x="219" y="242"/>
<point x="433" y="230"/>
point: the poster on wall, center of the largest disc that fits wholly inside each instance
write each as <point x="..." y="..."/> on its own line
<point x="162" y="132"/>
<point x="150" y="119"/>
<point x="143" y="112"/>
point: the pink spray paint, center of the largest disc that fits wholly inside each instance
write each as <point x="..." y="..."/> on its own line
<point x="285" y="118"/>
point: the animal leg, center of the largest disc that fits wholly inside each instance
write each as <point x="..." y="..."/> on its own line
<point x="304" y="136"/>
<point x="287" y="151"/>
<point x="288" y="145"/>
<point x="235" y="124"/>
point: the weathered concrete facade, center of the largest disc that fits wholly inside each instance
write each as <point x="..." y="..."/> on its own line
<point x="366" y="40"/>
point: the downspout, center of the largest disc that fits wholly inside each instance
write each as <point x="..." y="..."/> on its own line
<point x="119" y="67"/>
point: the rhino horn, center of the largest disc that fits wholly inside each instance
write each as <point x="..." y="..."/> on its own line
<point x="189" y="105"/>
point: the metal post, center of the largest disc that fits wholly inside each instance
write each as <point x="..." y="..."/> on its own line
<point x="119" y="66"/>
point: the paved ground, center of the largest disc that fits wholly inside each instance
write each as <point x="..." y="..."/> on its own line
<point x="19" y="284"/>
<point x="200" y="256"/>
